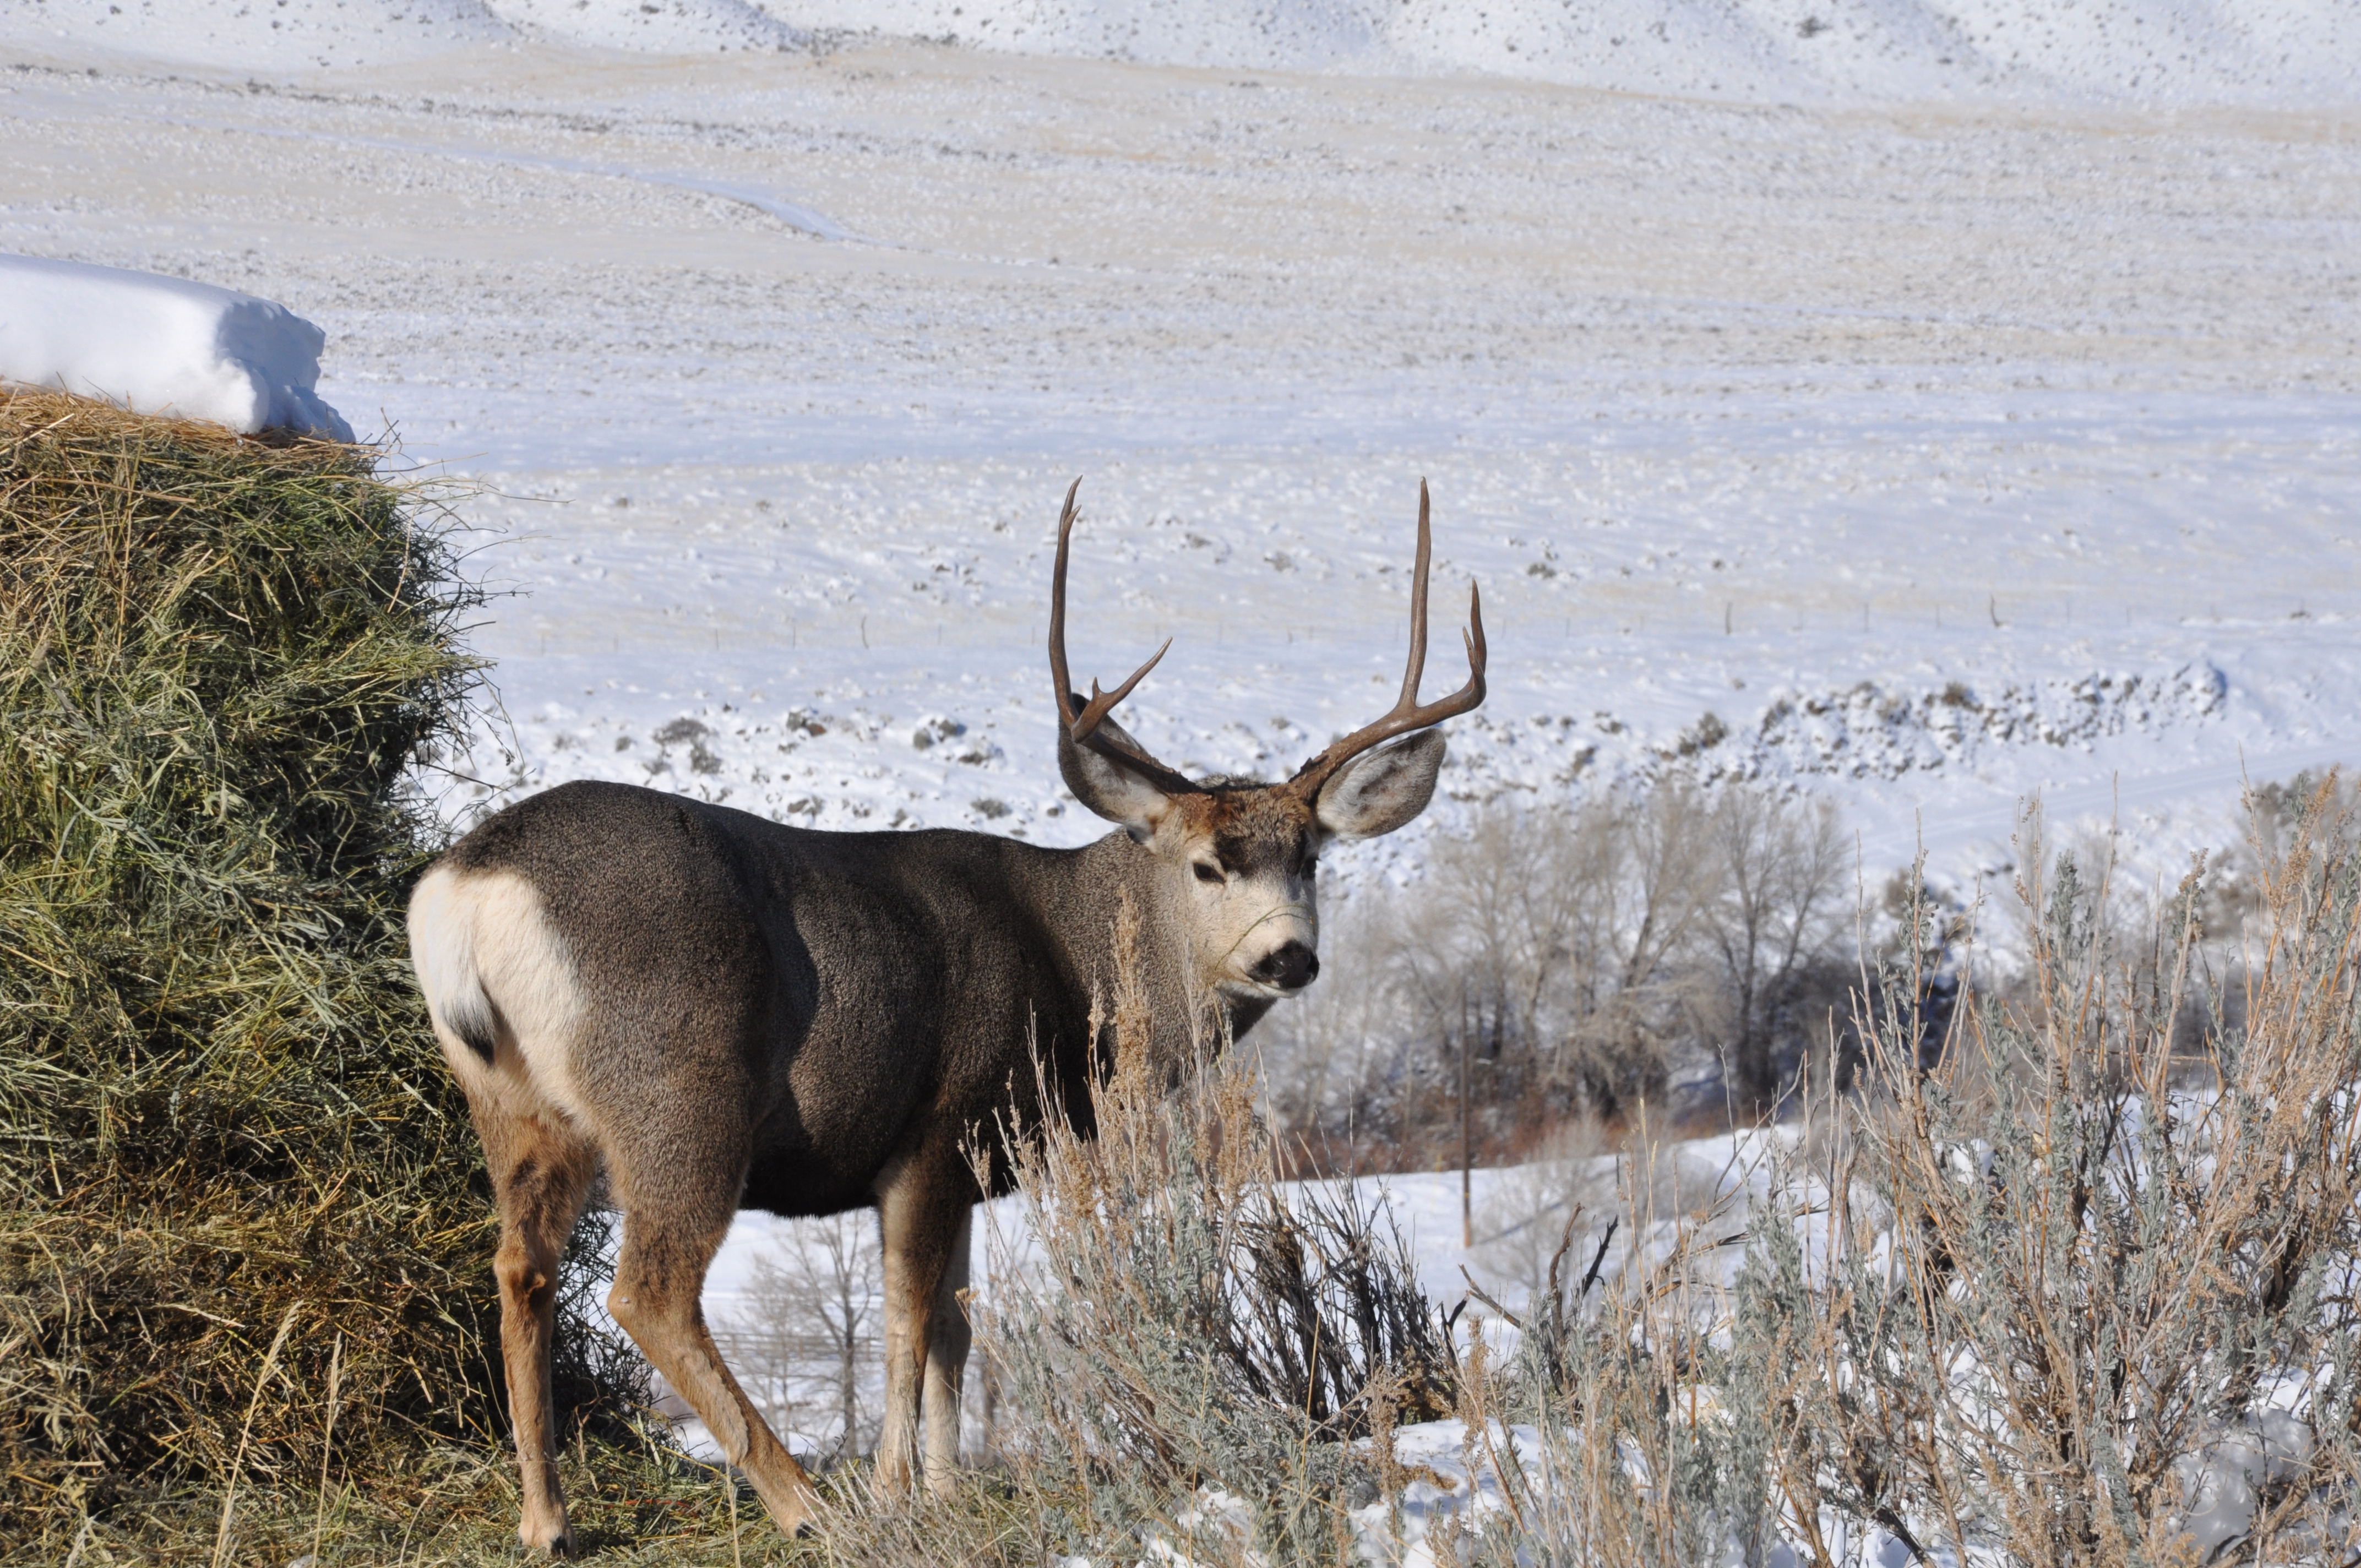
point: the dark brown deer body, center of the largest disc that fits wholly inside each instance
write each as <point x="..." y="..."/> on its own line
<point x="722" y="1013"/>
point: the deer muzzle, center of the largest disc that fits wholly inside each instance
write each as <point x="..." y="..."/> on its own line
<point x="1290" y="966"/>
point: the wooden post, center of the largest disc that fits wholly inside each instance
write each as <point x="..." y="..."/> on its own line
<point x="1467" y="1136"/>
<point x="988" y="1377"/>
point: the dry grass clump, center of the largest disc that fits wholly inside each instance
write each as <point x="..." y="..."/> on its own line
<point x="234" y="1180"/>
<point x="2080" y="1292"/>
<point x="1195" y="1329"/>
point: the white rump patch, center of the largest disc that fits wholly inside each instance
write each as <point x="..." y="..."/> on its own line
<point x="492" y="966"/>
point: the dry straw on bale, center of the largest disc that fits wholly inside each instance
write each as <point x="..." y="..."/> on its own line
<point x="220" y="1112"/>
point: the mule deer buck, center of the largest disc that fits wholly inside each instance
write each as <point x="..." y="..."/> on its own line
<point x="721" y="1013"/>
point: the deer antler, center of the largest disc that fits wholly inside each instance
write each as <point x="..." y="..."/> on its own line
<point x="1084" y="726"/>
<point x="1407" y="713"/>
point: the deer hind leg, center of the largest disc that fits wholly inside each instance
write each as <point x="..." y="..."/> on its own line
<point x="670" y="1235"/>
<point x="541" y="1173"/>
<point x="947" y="1346"/>
<point x="922" y="1211"/>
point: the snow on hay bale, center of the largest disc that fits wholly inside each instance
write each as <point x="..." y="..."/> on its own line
<point x="157" y="345"/>
<point x="227" y="1147"/>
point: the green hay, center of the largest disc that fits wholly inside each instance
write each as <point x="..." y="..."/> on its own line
<point x="221" y="1111"/>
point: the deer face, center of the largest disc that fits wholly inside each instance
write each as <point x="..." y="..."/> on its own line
<point x="1243" y="864"/>
<point x="1240" y="857"/>
<point x="1250" y="858"/>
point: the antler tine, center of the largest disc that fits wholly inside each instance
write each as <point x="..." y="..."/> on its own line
<point x="1058" y="679"/>
<point x="1086" y="723"/>
<point x="1084" y="726"/>
<point x="1407" y="713"/>
<point x="1416" y="667"/>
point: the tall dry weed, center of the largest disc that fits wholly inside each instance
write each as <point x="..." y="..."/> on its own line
<point x="2082" y="1295"/>
<point x="2076" y="1289"/>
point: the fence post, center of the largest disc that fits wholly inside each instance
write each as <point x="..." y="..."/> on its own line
<point x="1467" y="1135"/>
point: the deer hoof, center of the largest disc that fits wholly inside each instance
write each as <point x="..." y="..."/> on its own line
<point x="558" y="1543"/>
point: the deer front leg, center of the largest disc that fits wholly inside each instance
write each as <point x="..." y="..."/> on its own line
<point x="921" y="1213"/>
<point x="946" y="1346"/>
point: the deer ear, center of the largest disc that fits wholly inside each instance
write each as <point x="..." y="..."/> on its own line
<point x="1380" y="791"/>
<point x="1107" y="787"/>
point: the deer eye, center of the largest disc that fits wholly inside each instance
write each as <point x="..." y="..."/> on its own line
<point x="1206" y="871"/>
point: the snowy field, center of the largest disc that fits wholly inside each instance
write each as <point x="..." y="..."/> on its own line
<point x="1927" y="455"/>
<point x="1923" y="405"/>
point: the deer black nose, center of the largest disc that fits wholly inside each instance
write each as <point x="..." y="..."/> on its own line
<point x="1290" y="966"/>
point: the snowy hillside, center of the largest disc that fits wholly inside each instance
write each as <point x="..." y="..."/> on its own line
<point x="1923" y="459"/>
<point x="2276" y="54"/>
<point x="332" y="33"/>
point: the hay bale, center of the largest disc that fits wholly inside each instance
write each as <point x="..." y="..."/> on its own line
<point x="220" y="1108"/>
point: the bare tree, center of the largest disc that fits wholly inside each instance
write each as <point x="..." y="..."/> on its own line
<point x="1561" y="936"/>
<point x="808" y="1336"/>
<point x="1581" y="955"/>
<point x="1556" y="944"/>
<point x="1775" y="903"/>
<point x="1649" y="868"/>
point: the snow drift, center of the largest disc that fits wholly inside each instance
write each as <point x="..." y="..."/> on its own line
<point x="2276" y="52"/>
<point x="373" y="32"/>
<point x="156" y="345"/>
<point x="2266" y="53"/>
